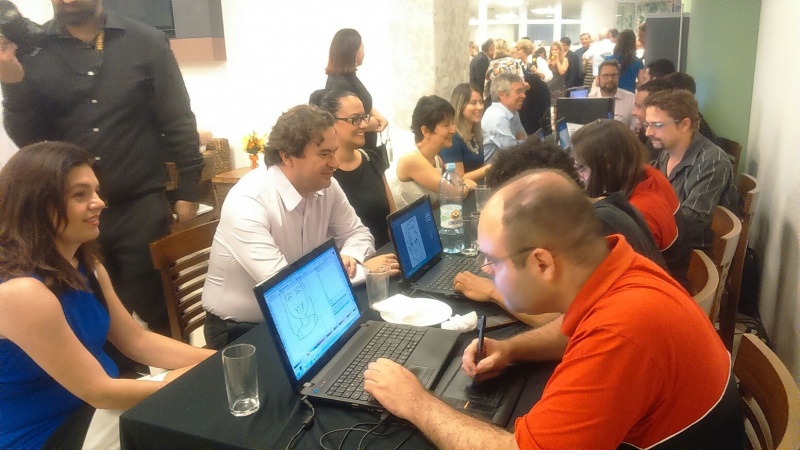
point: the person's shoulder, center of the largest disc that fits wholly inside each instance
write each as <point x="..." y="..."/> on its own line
<point x="19" y="287"/>
<point x="709" y="151"/>
<point x="626" y="94"/>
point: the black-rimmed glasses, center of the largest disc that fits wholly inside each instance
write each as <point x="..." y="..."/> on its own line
<point x="355" y="120"/>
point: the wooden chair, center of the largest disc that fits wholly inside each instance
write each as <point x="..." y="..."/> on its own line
<point x="732" y="148"/>
<point x="749" y="192"/>
<point x="770" y="398"/>
<point x="221" y="147"/>
<point x="727" y="229"/>
<point x="182" y="260"/>
<point x="704" y="280"/>
<point x="207" y="195"/>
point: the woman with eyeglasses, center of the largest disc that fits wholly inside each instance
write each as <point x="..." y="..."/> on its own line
<point x="58" y="387"/>
<point x="419" y="171"/>
<point x="345" y="55"/>
<point x="610" y="158"/>
<point x="359" y="174"/>
<point x="467" y="149"/>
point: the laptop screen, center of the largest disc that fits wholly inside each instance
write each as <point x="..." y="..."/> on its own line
<point x="563" y="134"/>
<point x="416" y="237"/>
<point x="579" y="93"/>
<point x="312" y="306"/>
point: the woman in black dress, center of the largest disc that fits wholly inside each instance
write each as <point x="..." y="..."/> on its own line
<point x="359" y="174"/>
<point x="346" y="54"/>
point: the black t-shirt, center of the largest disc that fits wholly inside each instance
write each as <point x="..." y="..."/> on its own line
<point x="365" y="191"/>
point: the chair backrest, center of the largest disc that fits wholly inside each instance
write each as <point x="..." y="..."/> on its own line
<point x="727" y="229"/>
<point x="732" y="148"/>
<point x="704" y="280"/>
<point x="770" y="397"/>
<point x="749" y="192"/>
<point x="182" y="261"/>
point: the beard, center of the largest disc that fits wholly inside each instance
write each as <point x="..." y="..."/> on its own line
<point x="609" y="88"/>
<point x="77" y="13"/>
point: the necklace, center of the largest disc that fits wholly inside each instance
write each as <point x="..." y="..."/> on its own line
<point x="473" y="145"/>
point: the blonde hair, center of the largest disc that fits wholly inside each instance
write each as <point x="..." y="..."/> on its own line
<point x="525" y="45"/>
<point x="501" y="49"/>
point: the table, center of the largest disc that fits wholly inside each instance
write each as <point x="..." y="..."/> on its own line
<point x="232" y="176"/>
<point x="192" y="412"/>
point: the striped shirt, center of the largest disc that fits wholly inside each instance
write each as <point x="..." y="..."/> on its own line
<point x="702" y="180"/>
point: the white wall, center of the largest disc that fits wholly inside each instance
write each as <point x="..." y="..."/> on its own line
<point x="773" y="157"/>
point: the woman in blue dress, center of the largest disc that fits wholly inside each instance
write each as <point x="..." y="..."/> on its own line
<point x="467" y="148"/>
<point x="631" y="68"/>
<point x="58" y="309"/>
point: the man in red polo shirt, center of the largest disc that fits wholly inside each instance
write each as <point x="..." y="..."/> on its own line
<point x="641" y="364"/>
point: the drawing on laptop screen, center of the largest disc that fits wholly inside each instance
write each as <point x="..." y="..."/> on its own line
<point x="311" y="309"/>
<point x="413" y="240"/>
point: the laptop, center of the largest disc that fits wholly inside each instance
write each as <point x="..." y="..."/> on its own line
<point x="325" y="343"/>
<point x="423" y="264"/>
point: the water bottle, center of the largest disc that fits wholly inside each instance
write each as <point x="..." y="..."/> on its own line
<point x="451" y="223"/>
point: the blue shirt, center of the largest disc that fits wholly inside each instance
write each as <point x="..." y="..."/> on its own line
<point x="500" y="127"/>
<point x="627" y="78"/>
<point x="460" y="152"/>
<point x="32" y="404"/>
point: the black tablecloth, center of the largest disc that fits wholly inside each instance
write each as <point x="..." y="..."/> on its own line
<point x="192" y="411"/>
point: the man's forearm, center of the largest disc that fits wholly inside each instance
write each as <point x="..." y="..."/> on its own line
<point x="448" y="428"/>
<point x="546" y="343"/>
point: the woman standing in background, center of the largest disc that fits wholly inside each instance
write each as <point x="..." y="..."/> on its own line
<point x="346" y="54"/>
<point x="559" y="64"/>
<point x="631" y="68"/>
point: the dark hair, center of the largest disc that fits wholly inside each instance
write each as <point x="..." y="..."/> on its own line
<point x="540" y="50"/>
<point x="608" y="62"/>
<point x="679" y="104"/>
<point x="430" y="111"/>
<point x="613" y="33"/>
<point x="329" y="101"/>
<point x="566" y="40"/>
<point x="660" y="68"/>
<point x="535" y="214"/>
<point x="656" y="85"/>
<point x="613" y="153"/>
<point x="342" y="55"/>
<point x="294" y="130"/>
<point x="487" y="45"/>
<point x="625" y="49"/>
<point x="680" y="80"/>
<point x="33" y="213"/>
<point x="529" y="154"/>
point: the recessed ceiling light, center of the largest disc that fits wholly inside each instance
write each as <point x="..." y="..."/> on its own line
<point x="506" y="16"/>
<point x="543" y="11"/>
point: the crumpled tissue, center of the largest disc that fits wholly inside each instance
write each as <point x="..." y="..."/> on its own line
<point x="462" y="324"/>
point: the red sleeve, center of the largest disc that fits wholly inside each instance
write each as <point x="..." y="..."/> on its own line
<point x="589" y="401"/>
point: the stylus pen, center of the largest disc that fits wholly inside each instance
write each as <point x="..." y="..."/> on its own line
<point x="481" y="350"/>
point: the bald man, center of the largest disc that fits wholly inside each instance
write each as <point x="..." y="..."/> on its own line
<point x="630" y="343"/>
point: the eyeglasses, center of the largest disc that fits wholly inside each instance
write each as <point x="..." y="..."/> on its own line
<point x="488" y="260"/>
<point x="657" y="125"/>
<point x="609" y="75"/>
<point x="355" y="120"/>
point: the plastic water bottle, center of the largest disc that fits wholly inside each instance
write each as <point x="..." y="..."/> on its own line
<point x="451" y="223"/>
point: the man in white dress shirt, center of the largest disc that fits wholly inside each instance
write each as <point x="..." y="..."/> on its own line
<point x="275" y="215"/>
<point x="609" y="87"/>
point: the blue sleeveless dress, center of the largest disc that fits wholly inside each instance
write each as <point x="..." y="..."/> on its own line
<point x="32" y="404"/>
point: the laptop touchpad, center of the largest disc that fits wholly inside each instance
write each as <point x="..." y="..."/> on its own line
<point x="423" y="374"/>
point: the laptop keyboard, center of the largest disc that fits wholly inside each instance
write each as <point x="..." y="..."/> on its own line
<point x="395" y="342"/>
<point x="444" y="280"/>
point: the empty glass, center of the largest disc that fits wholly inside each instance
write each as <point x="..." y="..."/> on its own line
<point x="482" y="194"/>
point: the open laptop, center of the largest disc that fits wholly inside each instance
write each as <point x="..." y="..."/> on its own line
<point x="423" y="264"/>
<point x="323" y="339"/>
